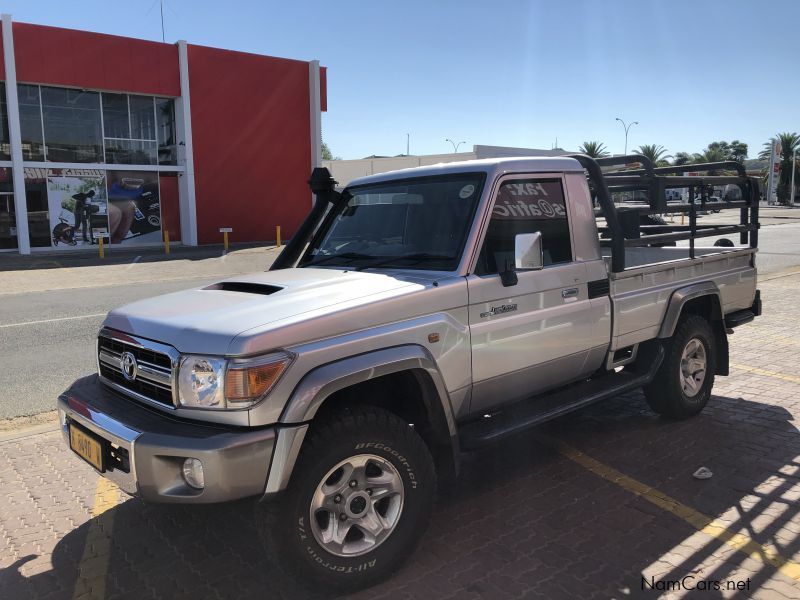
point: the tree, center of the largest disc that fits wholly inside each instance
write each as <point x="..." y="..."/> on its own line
<point x="327" y="154"/>
<point x="656" y="153"/>
<point x="723" y="150"/>
<point x="593" y="149"/>
<point x="738" y="150"/>
<point x="681" y="158"/>
<point x="789" y="143"/>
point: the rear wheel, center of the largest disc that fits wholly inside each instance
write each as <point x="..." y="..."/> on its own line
<point x="683" y="384"/>
<point x="359" y="500"/>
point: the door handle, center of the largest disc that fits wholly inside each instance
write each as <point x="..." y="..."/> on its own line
<point x="569" y="293"/>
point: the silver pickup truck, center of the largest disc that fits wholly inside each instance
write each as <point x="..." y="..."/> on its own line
<point x="413" y="316"/>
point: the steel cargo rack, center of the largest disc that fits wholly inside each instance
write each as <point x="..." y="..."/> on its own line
<point x="636" y="173"/>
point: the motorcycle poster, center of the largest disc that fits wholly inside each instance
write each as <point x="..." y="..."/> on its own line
<point x="134" y="207"/>
<point x="78" y="206"/>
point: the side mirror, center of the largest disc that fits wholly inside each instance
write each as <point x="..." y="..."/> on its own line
<point x="528" y="252"/>
<point x="508" y="276"/>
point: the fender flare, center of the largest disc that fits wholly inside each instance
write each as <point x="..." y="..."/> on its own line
<point x="320" y="383"/>
<point x="681" y="297"/>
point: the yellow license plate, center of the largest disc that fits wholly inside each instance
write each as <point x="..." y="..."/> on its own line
<point x="86" y="446"/>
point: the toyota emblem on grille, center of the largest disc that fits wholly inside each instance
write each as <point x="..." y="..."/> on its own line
<point x="127" y="363"/>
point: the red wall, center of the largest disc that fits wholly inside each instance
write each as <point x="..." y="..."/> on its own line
<point x="55" y="56"/>
<point x="251" y="141"/>
<point x="170" y="209"/>
<point x="250" y="120"/>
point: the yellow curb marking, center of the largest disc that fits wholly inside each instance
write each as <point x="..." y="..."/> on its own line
<point x="93" y="567"/>
<point x="767" y="373"/>
<point x="703" y="523"/>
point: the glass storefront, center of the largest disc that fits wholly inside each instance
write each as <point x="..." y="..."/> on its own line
<point x="38" y="210"/>
<point x="30" y="122"/>
<point x="73" y="207"/>
<point x="5" y="146"/>
<point x="72" y="125"/>
<point x="79" y="126"/>
<point x="165" y="123"/>
<point x="8" y="219"/>
<point x="76" y="207"/>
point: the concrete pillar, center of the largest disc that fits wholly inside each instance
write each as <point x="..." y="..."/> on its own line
<point x="15" y="138"/>
<point x="183" y="116"/>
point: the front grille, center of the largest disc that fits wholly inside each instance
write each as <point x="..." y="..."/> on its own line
<point x="154" y="376"/>
<point x="141" y="354"/>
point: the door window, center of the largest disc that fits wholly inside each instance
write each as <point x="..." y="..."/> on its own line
<point x="526" y="206"/>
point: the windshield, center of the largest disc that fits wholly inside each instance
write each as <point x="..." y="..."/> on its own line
<point x="416" y="224"/>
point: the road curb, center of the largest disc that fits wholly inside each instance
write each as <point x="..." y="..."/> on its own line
<point x="22" y="427"/>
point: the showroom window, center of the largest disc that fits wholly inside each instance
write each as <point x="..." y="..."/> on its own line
<point x="80" y="126"/>
<point x="139" y="130"/>
<point x="72" y="125"/>
<point x="5" y="145"/>
<point x="30" y="122"/>
<point x="165" y="123"/>
<point x="8" y="219"/>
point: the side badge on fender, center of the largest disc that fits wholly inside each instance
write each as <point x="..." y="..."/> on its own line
<point x="499" y="310"/>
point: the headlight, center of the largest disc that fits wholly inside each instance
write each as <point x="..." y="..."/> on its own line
<point x="217" y="383"/>
<point x="201" y="382"/>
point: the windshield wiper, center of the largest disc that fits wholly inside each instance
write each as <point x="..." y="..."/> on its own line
<point x="345" y="255"/>
<point x="415" y="258"/>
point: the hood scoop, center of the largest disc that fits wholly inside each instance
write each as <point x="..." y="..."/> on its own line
<point x="245" y="287"/>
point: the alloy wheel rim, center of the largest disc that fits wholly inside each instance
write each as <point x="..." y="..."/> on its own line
<point x="357" y="505"/>
<point x="693" y="367"/>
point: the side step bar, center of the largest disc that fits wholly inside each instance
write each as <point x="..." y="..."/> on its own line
<point x="539" y="409"/>
<point x="740" y="317"/>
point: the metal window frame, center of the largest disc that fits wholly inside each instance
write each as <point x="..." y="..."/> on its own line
<point x="487" y="216"/>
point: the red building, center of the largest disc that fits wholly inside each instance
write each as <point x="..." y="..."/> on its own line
<point x="122" y="139"/>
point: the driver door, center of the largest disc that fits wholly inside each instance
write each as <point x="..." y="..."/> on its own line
<point x="535" y="335"/>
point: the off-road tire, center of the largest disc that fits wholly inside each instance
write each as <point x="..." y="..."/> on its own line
<point x="362" y="430"/>
<point x="665" y="394"/>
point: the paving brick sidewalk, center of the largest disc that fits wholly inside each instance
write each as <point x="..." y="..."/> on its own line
<point x="585" y="507"/>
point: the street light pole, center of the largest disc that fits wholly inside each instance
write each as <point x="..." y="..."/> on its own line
<point x="455" y="146"/>
<point x="408" y="144"/>
<point x="794" y="168"/>
<point x="626" y="128"/>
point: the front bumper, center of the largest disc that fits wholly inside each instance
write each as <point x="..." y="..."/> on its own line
<point x="154" y="445"/>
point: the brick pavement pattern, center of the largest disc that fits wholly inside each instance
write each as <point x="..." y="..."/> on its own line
<point x="523" y="521"/>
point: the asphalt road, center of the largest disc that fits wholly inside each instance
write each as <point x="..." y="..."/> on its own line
<point x="47" y="338"/>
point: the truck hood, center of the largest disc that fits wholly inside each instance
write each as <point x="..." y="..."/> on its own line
<point x="206" y="320"/>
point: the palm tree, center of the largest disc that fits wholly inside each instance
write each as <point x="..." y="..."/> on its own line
<point x="789" y="143"/>
<point x="593" y="149"/>
<point x="656" y="153"/>
<point x="710" y="154"/>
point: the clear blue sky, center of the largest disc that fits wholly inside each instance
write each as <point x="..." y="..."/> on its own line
<point x="513" y="73"/>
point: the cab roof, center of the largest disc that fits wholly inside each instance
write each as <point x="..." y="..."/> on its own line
<point x="493" y="167"/>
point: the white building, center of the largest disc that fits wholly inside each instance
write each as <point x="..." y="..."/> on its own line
<point x="345" y="171"/>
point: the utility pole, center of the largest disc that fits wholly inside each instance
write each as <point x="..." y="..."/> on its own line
<point x="408" y="144"/>
<point x="626" y="128"/>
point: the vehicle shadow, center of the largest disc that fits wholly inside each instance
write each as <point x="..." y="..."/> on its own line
<point x="523" y="520"/>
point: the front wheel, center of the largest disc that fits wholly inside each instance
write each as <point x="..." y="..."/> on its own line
<point x="682" y="386"/>
<point x="359" y="501"/>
